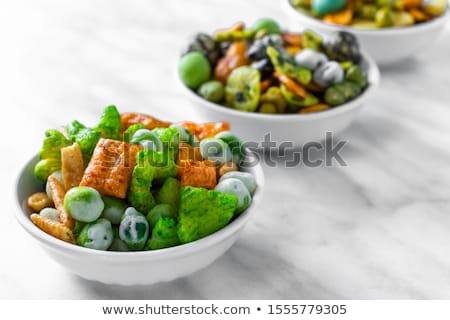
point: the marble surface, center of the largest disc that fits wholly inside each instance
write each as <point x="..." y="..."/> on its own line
<point x="376" y="228"/>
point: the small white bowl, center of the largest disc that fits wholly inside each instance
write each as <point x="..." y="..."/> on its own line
<point x="134" y="268"/>
<point x="292" y="129"/>
<point x="385" y="45"/>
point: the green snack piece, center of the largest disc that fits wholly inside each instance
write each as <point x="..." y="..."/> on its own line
<point x="274" y="96"/>
<point x="212" y="90"/>
<point x="163" y="164"/>
<point x="114" y="209"/>
<point x="301" y="3"/>
<point x="367" y="11"/>
<point x="403" y="19"/>
<point x="78" y="228"/>
<point x="233" y="35"/>
<point x="118" y="245"/>
<point x="134" y="229"/>
<point x="50" y="154"/>
<point x="128" y="134"/>
<point x="346" y="65"/>
<point x="170" y="139"/>
<point x="268" y="108"/>
<point x="243" y="89"/>
<point x="215" y="150"/>
<point x="139" y="193"/>
<point x="83" y="204"/>
<point x="285" y="64"/>
<point x="170" y="193"/>
<point x="435" y="7"/>
<point x="51" y="213"/>
<point x="160" y="210"/>
<point x="385" y="3"/>
<point x="234" y="143"/>
<point x="236" y="187"/>
<point x="268" y="25"/>
<point x="194" y="69"/>
<point x="96" y="235"/>
<point x="185" y="135"/>
<point x="109" y="125"/>
<point x="384" y="17"/>
<point x="164" y="234"/>
<point x="323" y="7"/>
<point x="295" y="102"/>
<point x="85" y="137"/>
<point x="312" y="40"/>
<point x="246" y="178"/>
<point x="203" y="212"/>
<point x="148" y="139"/>
<point x="334" y="96"/>
<point x="349" y="89"/>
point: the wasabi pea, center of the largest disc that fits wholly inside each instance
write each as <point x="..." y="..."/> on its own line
<point x="58" y="176"/>
<point x="134" y="229"/>
<point x="114" y="209"/>
<point x="185" y="135"/>
<point x="384" y="18"/>
<point x="237" y="188"/>
<point x="356" y="74"/>
<point x="215" y="150"/>
<point x="96" y="235"/>
<point x="267" y="107"/>
<point x="246" y="178"/>
<point x="117" y="243"/>
<point x="194" y="69"/>
<point x="51" y="213"/>
<point x="328" y="74"/>
<point x="148" y="139"/>
<point x="234" y="144"/>
<point x="83" y="204"/>
<point x="310" y="59"/>
<point x="269" y="25"/>
<point x="212" y="91"/>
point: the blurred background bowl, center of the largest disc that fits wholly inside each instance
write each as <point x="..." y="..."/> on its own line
<point x="133" y="268"/>
<point x="296" y="128"/>
<point x="384" y="45"/>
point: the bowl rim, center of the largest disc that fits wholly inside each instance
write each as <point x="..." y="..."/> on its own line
<point x="373" y="75"/>
<point x="290" y="9"/>
<point x="161" y="254"/>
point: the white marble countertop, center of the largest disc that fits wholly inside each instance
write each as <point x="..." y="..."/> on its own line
<point x="377" y="228"/>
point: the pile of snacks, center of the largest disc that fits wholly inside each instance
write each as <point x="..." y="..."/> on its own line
<point x="262" y="69"/>
<point x="134" y="182"/>
<point x="372" y="13"/>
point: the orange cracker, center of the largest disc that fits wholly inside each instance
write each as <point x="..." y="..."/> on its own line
<point x="110" y="168"/>
<point x="205" y="130"/>
<point x="72" y="166"/>
<point x="201" y="174"/>
<point x="58" y="193"/>
<point x="53" y="228"/>
<point x="128" y="119"/>
<point x="188" y="152"/>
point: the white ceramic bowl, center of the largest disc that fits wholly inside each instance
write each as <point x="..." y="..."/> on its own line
<point x="296" y="129"/>
<point x="386" y="45"/>
<point x="133" y="268"/>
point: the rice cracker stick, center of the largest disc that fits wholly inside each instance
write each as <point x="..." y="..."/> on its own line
<point x="72" y="166"/>
<point x="53" y="228"/>
<point x="58" y="193"/>
<point x="110" y="168"/>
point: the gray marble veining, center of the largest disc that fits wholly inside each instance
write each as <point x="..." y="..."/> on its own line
<point x="376" y="228"/>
